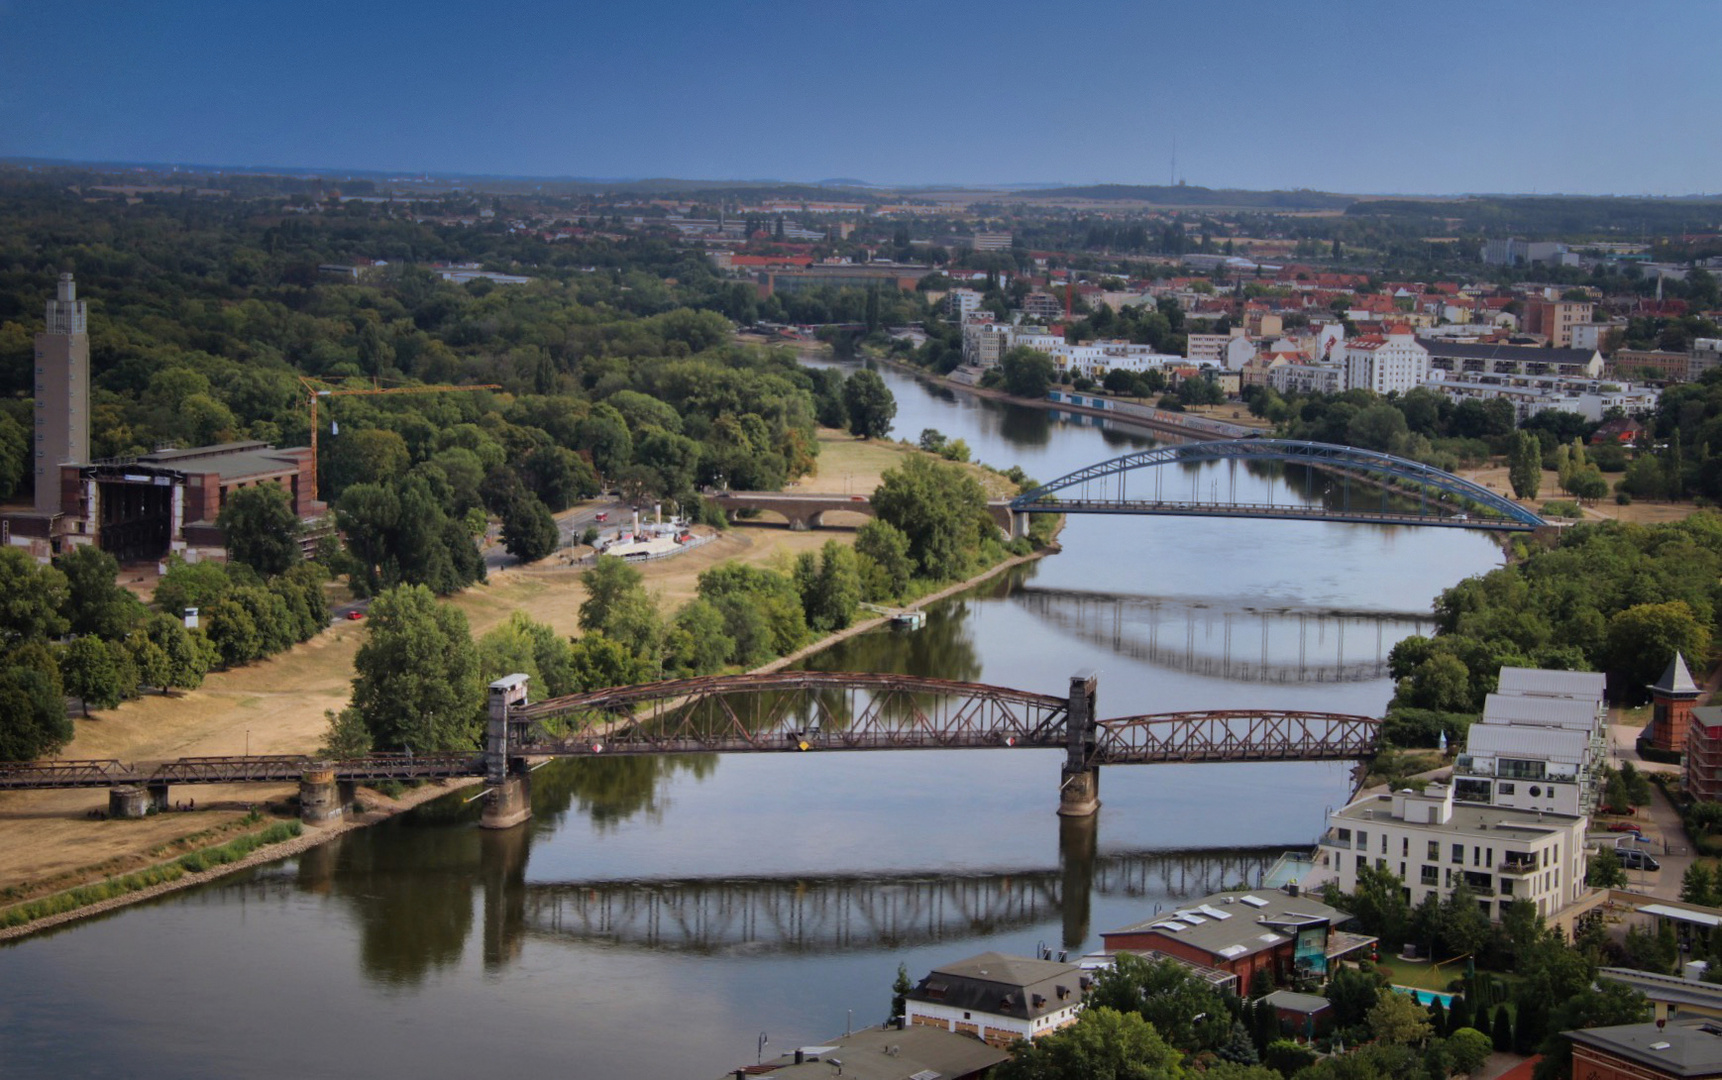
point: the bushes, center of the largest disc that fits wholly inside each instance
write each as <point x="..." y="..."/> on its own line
<point x="238" y="848"/>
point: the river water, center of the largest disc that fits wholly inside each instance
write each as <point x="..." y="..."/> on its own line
<point x="658" y="917"/>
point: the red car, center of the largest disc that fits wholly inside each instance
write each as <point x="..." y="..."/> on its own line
<point x="601" y="517"/>
<point x="1622" y="826"/>
<point x="355" y="615"/>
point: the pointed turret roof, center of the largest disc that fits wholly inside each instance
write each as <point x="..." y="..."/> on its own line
<point x="1676" y="681"/>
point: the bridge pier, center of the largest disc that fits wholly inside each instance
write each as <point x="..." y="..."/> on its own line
<point x="319" y="796"/>
<point x="128" y="801"/>
<point x="1079" y="786"/>
<point x="507" y="803"/>
<point x="508" y="800"/>
<point x="158" y="801"/>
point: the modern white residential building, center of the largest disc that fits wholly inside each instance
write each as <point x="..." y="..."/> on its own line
<point x="1433" y="843"/>
<point x="997" y="998"/>
<point x="1307" y="378"/>
<point x="1230" y="351"/>
<point x="1095" y="360"/>
<point x="961" y="302"/>
<point x="1386" y="363"/>
<point x="1533" y="394"/>
<point x="1540" y="744"/>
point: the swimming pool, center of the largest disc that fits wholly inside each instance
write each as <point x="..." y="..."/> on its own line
<point x="1427" y="997"/>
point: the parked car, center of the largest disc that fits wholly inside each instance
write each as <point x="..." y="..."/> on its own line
<point x="605" y="516"/>
<point x="1622" y="826"/>
<point x="355" y="615"/>
<point x="1634" y="859"/>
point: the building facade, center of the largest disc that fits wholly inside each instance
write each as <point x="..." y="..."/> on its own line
<point x="998" y="999"/>
<point x="1243" y="932"/>
<point x="1555" y="319"/>
<point x="1386" y="363"/>
<point x="1434" y="843"/>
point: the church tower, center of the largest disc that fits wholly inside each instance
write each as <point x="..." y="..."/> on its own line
<point x="62" y="433"/>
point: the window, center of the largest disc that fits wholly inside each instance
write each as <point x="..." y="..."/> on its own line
<point x="1405" y="846"/>
<point x="1458" y="854"/>
<point x="1362" y="863"/>
<point x="1504" y="789"/>
<point x="1384" y="843"/>
<point x="1434" y="851"/>
<point x="1431" y="875"/>
<point x="1362" y="840"/>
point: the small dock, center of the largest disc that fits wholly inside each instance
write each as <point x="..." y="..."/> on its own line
<point x="901" y="618"/>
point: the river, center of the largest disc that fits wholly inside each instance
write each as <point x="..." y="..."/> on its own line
<point x="658" y="917"/>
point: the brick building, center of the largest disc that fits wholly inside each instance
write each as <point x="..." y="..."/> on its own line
<point x="1241" y="933"/>
<point x="1672" y="698"/>
<point x="997" y="998"/>
<point x="1649" y="1051"/>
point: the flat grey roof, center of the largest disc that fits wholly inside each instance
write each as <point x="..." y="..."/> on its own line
<point x="1576" y="713"/>
<point x="1467" y="818"/>
<point x="1237" y="923"/>
<point x="883" y="1053"/>
<point x="1535" y="354"/>
<point x="231" y="461"/>
<point x="1679" y="1049"/>
<point x="1295" y="1002"/>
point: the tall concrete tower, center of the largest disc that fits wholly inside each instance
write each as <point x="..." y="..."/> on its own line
<point x="62" y="393"/>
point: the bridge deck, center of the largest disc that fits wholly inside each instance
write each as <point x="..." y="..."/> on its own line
<point x="1268" y="511"/>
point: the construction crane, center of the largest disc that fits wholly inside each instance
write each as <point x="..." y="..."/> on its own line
<point x="315" y="389"/>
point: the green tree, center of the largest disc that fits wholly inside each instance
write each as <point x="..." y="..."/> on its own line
<point x="260" y="528"/>
<point x="529" y="533"/>
<point x="870" y="405"/>
<point x="1103" y="1044"/>
<point x="347" y="737"/>
<point x="1397" y="1018"/>
<point x="191" y="585"/>
<point x="150" y="660"/>
<point x="1467" y="1050"/>
<point x="417" y="685"/>
<point x="940" y="508"/>
<point x="1377" y="427"/>
<point x="95" y="602"/>
<point x="1501" y="1031"/>
<point x="233" y="631"/>
<point x="1353" y="992"/>
<point x="364" y="456"/>
<point x="696" y="643"/>
<point x="884" y="565"/>
<point x="1698" y="885"/>
<point x="1604" y="871"/>
<point x="31" y="599"/>
<point x="1463" y="927"/>
<point x="617" y="605"/>
<point x="1525" y="465"/>
<point x="1186" y="1012"/>
<point x="1643" y="638"/>
<point x="833" y="587"/>
<point x="1027" y="372"/>
<point x="33" y="719"/>
<point x="186" y="663"/>
<point x="599" y="662"/>
<point x="91" y="674"/>
<point x="900" y="988"/>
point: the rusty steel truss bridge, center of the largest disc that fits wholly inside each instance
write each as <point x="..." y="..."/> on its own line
<point x="785" y="712"/>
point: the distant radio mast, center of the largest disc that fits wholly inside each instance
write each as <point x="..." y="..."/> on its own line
<point x="1172" y="181"/>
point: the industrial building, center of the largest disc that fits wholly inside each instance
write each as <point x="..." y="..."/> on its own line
<point x="143" y="507"/>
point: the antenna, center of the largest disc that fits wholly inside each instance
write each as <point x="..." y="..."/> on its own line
<point x="1172" y="181"/>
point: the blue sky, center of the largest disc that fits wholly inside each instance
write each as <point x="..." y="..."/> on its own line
<point x="1520" y="95"/>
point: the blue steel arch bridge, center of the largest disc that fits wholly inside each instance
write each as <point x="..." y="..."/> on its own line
<point x="1362" y="486"/>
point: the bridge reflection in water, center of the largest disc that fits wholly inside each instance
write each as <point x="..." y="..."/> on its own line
<point x="827" y="914"/>
<point x="1222" y="639"/>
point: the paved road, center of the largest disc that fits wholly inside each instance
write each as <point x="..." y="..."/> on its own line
<point x="570" y="523"/>
<point x="1660" y="821"/>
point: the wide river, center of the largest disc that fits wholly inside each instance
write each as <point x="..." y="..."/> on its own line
<point x="657" y="918"/>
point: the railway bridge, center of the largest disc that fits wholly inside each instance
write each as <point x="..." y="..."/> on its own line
<point x="784" y="712"/>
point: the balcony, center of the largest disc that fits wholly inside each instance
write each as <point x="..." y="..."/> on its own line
<point x="1518" y="867"/>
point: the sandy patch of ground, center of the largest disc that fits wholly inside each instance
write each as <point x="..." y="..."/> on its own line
<point x="1642" y="513"/>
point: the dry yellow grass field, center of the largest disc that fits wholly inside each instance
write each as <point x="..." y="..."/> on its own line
<point x="277" y="706"/>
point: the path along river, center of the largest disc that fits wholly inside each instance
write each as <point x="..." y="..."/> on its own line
<point x="657" y="918"/>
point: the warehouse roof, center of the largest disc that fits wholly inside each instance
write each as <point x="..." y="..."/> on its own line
<point x="1229" y="925"/>
<point x="1539" y="682"/>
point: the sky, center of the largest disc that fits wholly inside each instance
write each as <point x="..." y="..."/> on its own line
<point x="1521" y="96"/>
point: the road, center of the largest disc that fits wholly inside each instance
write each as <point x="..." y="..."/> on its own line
<point x="570" y="523"/>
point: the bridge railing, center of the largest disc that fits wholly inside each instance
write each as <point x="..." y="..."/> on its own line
<point x="1235" y="735"/>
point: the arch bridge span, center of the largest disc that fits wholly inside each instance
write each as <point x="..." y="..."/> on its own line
<point x="1391" y="490"/>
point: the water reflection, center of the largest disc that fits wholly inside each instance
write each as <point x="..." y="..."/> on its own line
<point x="1227" y="637"/>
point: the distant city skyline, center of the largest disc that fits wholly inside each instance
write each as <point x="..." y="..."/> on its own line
<point x="1532" y="97"/>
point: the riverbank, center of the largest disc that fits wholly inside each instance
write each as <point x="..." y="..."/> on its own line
<point x="378" y="807"/>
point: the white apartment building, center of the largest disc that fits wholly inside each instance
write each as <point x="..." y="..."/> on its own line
<point x="1433" y="843"/>
<point x="1307" y="378"/>
<point x="1533" y="394"/>
<point x="1220" y="350"/>
<point x="983" y="342"/>
<point x="1095" y="360"/>
<point x="1386" y="363"/>
<point x="961" y="303"/>
<point x="1539" y="745"/>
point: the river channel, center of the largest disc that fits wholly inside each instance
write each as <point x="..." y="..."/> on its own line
<point x="657" y="918"/>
